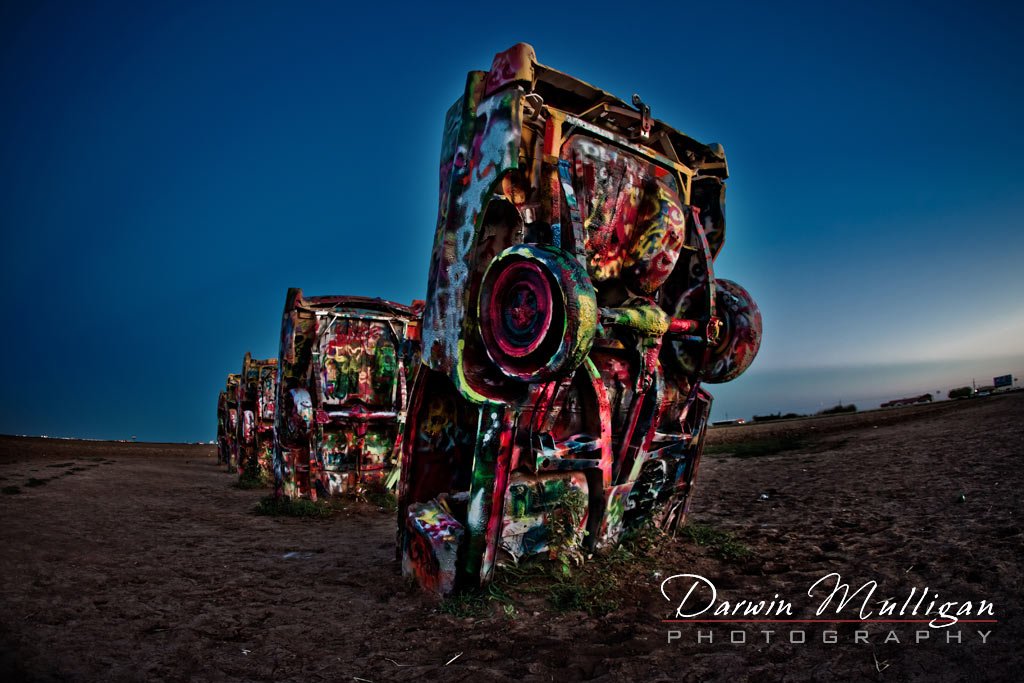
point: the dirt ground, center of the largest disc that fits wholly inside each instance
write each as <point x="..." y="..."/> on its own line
<point x="141" y="561"/>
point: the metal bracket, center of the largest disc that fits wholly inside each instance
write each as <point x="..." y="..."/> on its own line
<point x="645" y="116"/>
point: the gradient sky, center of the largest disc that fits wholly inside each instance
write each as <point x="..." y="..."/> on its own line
<point x="169" y="169"/>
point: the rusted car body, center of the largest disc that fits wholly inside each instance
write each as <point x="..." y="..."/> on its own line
<point x="228" y="450"/>
<point x="572" y="314"/>
<point x="255" y="428"/>
<point x="343" y="388"/>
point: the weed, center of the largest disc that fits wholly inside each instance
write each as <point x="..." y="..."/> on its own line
<point x="252" y="475"/>
<point x="10" y="490"/>
<point x="250" y="479"/>
<point x="597" y="587"/>
<point x="723" y="544"/>
<point x="36" y="482"/>
<point x="467" y="604"/>
<point x="530" y="577"/>
<point x="592" y="588"/>
<point x="476" y="602"/>
<point x="638" y="548"/>
<point x="593" y="592"/>
<point x="564" y="533"/>
<point x="386" y="500"/>
<point x="293" y="507"/>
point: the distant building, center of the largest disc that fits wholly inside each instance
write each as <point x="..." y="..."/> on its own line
<point x="923" y="398"/>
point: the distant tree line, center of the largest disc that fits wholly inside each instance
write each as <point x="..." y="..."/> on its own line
<point x="835" y="410"/>
<point x="838" y="409"/>
<point x="776" y="416"/>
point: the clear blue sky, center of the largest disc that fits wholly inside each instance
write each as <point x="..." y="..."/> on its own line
<point x="167" y="170"/>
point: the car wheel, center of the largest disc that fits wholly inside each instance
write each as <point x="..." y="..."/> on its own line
<point x="537" y="311"/>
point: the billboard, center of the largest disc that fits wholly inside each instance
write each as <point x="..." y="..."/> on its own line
<point x="1002" y="381"/>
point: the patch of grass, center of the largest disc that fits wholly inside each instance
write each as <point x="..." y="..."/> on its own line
<point x="467" y="604"/>
<point x="724" y="545"/>
<point x="756" y="447"/>
<point x="599" y="586"/>
<point x="595" y="593"/>
<point x="533" y="576"/>
<point x="33" y="482"/>
<point x="253" y="480"/>
<point x="642" y="543"/>
<point x="386" y="500"/>
<point x="11" y="490"/>
<point x="564" y="538"/>
<point x="476" y="603"/>
<point x="294" y="507"/>
<point x="596" y="587"/>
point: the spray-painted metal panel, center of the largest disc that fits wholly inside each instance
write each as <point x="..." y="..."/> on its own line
<point x="345" y="371"/>
<point x="572" y="314"/>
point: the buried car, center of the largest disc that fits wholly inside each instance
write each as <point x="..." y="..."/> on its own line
<point x="255" y="428"/>
<point x="227" y="425"/>
<point x="223" y="444"/>
<point x="343" y="387"/>
<point x="572" y="316"/>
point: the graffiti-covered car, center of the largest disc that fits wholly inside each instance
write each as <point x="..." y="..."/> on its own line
<point x="255" y="428"/>
<point x="343" y="388"/>
<point x="223" y="443"/>
<point x="572" y="315"/>
<point x="228" y="451"/>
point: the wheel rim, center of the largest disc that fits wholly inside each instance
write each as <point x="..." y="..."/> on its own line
<point x="537" y="313"/>
<point x="521" y="309"/>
